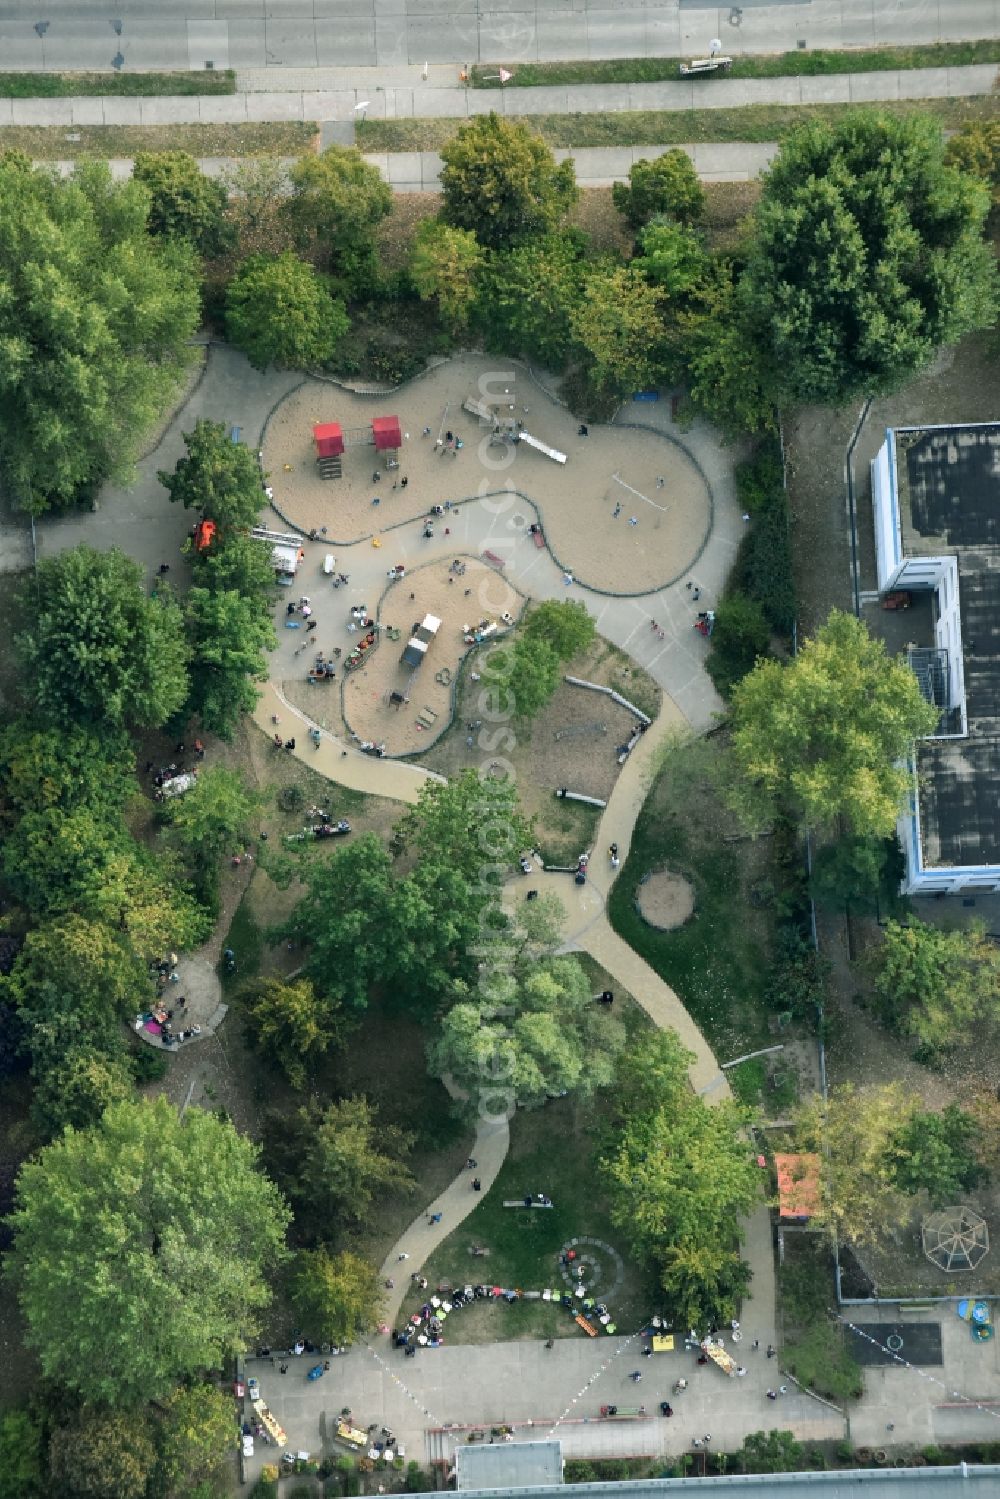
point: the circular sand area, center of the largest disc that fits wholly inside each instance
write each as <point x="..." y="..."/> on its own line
<point x="628" y="512"/>
<point x="464" y="603"/>
<point x="665" y="900"/>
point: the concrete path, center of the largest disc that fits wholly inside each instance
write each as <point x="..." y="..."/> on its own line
<point x="376" y="101"/>
<point x="278" y="35"/>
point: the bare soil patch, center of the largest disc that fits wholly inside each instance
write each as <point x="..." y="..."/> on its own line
<point x="665" y="900"/>
<point x="586" y="506"/>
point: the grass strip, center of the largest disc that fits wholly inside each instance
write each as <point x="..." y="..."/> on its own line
<point x="145" y="85"/>
<point x="62" y="143"/>
<point x="765" y="65"/>
<point x="658" y="127"/>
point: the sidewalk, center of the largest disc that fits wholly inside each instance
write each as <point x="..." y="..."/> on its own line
<point x="424" y="101"/>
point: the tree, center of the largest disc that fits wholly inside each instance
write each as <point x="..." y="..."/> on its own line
<point x="280" y="312"/>
<point x="77" y="1091"/>
<point x="217" y="477"/>
<point x="445" y="264"/>
<point x="740" y="637"/>
<point x="535" y="1032"/>
<point x="463" y="822"/>
<point x="338" y="201"/>
<point x="94" y="325"/>
<point x="214" y="816"/>
<point x="850" y="869"/>
<point x="240" y="564"/>
<point x="190" y="1226"/>
<point x="823" y="738"/>
<point x="771" y="1452"/>
<point x="501" y="182"/>
<point x="564" y="625"/>
<point x="975" y="149"/>
<point x="527" y="294"/>
<point x="229" y="635"/>
<point x="197" y="1431"/>
<point x="679" y="1173"/>
<point x="43" y="768"/>
<point x="21" y="1442"/>
<point x="853" y="1132"/>
<point x="935" y="984"/>
<point x="868" y="255"/>
<point x="668" y="184"/>
<point x="101" y="1454"/>
<point x="289" y="1022"/>
<point x="98" y="651"/>
<point x="672" y="258"/>
<point x="939" y="1154"/>
<point x="344" y="918"/>
<point x="619" y="329"/>
<point x="725" y="366"/>
<point x="184" y="203"/>
<point x="338" y="1297"/>
<point x="339" y="1159"/>
<point x="526" y="678"/>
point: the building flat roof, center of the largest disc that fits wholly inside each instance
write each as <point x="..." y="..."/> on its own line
<point x="948" y="485"/>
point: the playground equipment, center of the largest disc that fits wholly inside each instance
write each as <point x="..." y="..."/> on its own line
<point x="416" y="648"/>
<point x="955" y="1238"/>
<point x="508" y="430"/>
<point x="332" y="440"/>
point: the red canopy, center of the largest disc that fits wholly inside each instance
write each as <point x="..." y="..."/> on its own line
<point x="385" y="430"/>
<point x="329" y="439"/>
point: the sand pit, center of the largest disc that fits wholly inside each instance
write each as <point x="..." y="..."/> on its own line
<point x="665" y="900"/>
<point x="628" y="512"/>
<point x="472" y="598"/>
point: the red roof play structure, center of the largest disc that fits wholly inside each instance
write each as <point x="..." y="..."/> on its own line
<point x="798" y="1185"/>
<point x="385" y="430"/>
<point x="329" y="438"/>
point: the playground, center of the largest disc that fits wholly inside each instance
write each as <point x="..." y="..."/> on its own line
<point x="400" y="692"/>
<point x="625" y="510"/>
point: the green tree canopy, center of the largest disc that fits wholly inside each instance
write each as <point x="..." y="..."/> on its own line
<point x="215" y="816"/>
<point x="97" y="650"/>
<point x="182" y="1216"/>
<point x="524" y="676"/>
<point x="740" y="638"/>
<point x="668" y="184"/>
<point x="280" y="312"/>
<point x="672" y="258"/>
<point x="344" y="919"/>
<point x="217" y="477"/>
<point x="771" y="1452"/>
<point x="445" y="264"/>
<point x="934" y="984"/>
<point x="939" y="1154"/>
<point x="77" y="1091"/>
<point x="725" y="367"/>
<point x="527" y="295"/>
<point x="239" y="564"/>
<point x="822" y="738"/>
<point x="184" y="203"/>
<point x="853" y="1131"/>
<point x="501" y="181"/>
<point x="290" y="1023"/>
<point x="336" y="1161"/>
<point x="534" y="1031"/>
<point x="95" y="319"/>
<point x="619" y="329"/>
<point x="229" y="634"/>
<point x="196" y="1433"/>
<point x="564" y="624"/>
<point x="868" y="255"/>
<point x="101" y="1454"/>
<point x="338" y="201"/>
<point x="338" y="1297"/>
<point x="44" y="768"/>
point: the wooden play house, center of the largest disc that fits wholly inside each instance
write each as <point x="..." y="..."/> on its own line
<point x="331" y="440"/>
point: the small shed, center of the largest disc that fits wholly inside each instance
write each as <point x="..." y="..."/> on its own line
<point x="798" y="1187"/>
<point x="419" y="641"/>
<point x="329" y="439"/>
<point x="386" y="434"/>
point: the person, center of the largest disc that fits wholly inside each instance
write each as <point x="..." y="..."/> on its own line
<point x="770" y="1350"/>
<point x="376" y="477"/>
<point x="782" y="1389"/>
<point x="613" y="851"/>
<point x="310" y="626"/>
<point x="289" y="744"/>
<point x="282" y="1368"/>
<point x="635" y="1376"/>
<point x="771" y="1394"/>
<point x="278" y="742"/>
<point x="755" y="1345"/>
<point x="583" y="430"/>
<point x="471" y="1163"/>
<point x="666" y="1409"/>
<point x="647" y="1353"/>
<point x="550" y="1343"/>
<point x="403" y="1256"/>
<point x="477" y="1185"/>
<point x="434" y="1218"/>
<point x="199" y="749"/>
<point x="163" y="568"/>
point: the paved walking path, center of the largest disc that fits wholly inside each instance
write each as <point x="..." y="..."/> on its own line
<point x="379" y="101"/>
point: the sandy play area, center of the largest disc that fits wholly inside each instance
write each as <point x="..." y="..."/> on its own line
<point x="628" y="511"/>
<point x="665" y="900"/>
<point x="464" y="602"/>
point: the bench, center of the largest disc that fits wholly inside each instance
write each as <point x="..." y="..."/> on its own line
<point x="588" y="1327"/>
<point x="492" y="558"/>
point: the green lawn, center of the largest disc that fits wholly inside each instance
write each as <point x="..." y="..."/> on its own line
<point x="768" y="65"/>
<point x="755" y="123"/>
<point x="78" y="85"/>
<point x="551" y="1151"/>
<point x="717" y="961"/>
<point x="813" y="1346"/>
<point x="56" y="142"/>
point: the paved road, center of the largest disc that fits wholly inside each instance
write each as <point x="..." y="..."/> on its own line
<point x="277" y="34"/>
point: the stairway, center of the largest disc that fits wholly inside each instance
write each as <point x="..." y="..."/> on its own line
<point x="330" y="468"/>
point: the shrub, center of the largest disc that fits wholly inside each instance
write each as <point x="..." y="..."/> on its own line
<point x="763" y="568"/>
